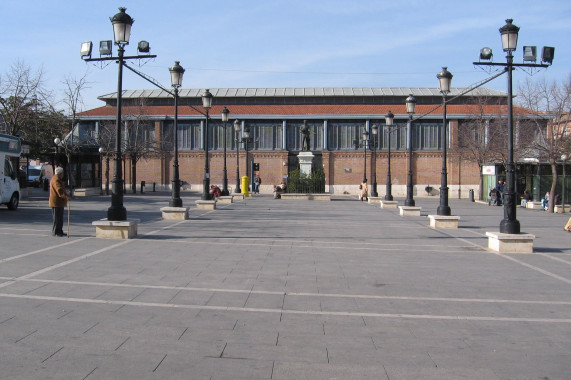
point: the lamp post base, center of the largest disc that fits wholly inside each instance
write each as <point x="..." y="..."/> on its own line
<point x="510" y="226"/>
<point x="443" y="210"/>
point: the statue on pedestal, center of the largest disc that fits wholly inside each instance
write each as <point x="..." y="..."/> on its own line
<point x="305" y="139"/>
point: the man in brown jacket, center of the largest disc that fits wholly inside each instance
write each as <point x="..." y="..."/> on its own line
<point x="58" y="200"/>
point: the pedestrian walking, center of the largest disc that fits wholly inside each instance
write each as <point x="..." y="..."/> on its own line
<point x="257" y="183"/>
<point x="568" y="226"/>
<point x="363" y="191"/>
<point x="57" y="201"/>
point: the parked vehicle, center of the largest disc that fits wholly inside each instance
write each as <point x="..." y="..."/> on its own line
<point x="34" y="175"/>
<point x="10" y="150"/>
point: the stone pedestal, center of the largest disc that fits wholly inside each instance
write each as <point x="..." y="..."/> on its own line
<point x="236" y="197"/>
<point x="388" y="204"/>
<point x="224" y="200"/>
<point x="510" y="243"/>
<point x="409" y="210"/>
<point x="533" y="205"/>
<point x="443" y="221"/>
<point x="125" y="229"/>
<point x="206" y="205"/>
<point x="374" y="200"/>
<point x="561" y="209"/>
<point x="176" y="213"/>
<point x="305" y="160"/>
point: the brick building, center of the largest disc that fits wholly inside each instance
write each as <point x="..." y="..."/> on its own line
<point x="336" y="117"/>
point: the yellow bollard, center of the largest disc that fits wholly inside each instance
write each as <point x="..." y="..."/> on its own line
<point x="245" y="183"/>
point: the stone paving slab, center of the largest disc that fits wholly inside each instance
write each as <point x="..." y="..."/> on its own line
<point x="267" y="289"/>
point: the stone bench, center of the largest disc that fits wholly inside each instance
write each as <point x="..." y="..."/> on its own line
<point x="310" y="197"/>
<point x="443" y="221"/>
<point x="176" y="213"/>
<point x="125" y="229"/>
<point x="86" y="192"/>
<point x="560" y="209"/>
<point x="374" y="200"/>
<point x="223" y="200"/>
<point x="388" y="204"/>
<point x="510" y="243"/>
<point x="535" y="205"/>
<point x="409" y="210"/>
<point x="206" y="205"/>
<point x="237" y="197"/>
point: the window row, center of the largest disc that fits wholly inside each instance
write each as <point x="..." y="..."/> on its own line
<point x="272" y="135"/>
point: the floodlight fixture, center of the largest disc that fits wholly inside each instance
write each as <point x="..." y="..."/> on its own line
<point x="143" y="47"/>
<point x="105" y="47"/>
<point x="486" y="54"/>
<point x="86" y="48"/>
<point x="547" y="54"/>
<point x="530" y="53"/>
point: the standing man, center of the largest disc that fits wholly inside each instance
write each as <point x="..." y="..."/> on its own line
<point x="58" y="200"/>
<point x="257" y="183"/>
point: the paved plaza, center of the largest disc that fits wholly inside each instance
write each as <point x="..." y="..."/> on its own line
<point x="282" y="289"/>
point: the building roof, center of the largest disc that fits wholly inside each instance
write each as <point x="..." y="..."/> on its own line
<point x="297" y="111"/>
<point x="303" y="92"/>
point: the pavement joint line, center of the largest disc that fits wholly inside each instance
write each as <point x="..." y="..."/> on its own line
<point x="41" y="250"/>
<point x="420" y="247"/>
<point x="533" y="267"/>
<point x="295" y="294"/>
<point x="286" y="311"/>
<point x="554" y="258"/>
<point x="64" y="263"/>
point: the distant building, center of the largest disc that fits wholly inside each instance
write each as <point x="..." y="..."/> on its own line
<point x="336" y="116"/>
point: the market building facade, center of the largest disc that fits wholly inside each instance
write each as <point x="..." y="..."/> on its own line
<point x="337" y="117"/>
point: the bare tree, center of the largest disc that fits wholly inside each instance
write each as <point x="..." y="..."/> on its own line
<point x="551" y="103"/>
<point x="139" y="142"/>
<point x="482" y="138"/>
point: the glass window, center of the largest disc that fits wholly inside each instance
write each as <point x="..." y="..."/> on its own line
<point x="267" y="135"/>
<point x="430" y="136"/>
<point x="189" y="136"/>
<point x="216" y="135"/>
<point x="341" y="135"/>
<point x="295" y="137"/>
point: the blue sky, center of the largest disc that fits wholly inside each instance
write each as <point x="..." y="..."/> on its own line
<point x="290" y="43"/>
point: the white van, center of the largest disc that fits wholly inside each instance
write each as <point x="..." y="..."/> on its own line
<point x="10" y="150"/>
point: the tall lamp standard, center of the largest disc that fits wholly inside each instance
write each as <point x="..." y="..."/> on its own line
<point x="410" y="106"/>
<point x="177" y="72"/>
<point x="237" y="129"/>
<point x="389" y="123"/>
<point x="365" y="138"/>
<point x="206" y="103"/>
<point x="564" y="159"/>
<point x="375" y="130"/>
<point x="101" y="151"/>
<point x="246" y="141"/>
<point x="122" y="23"/>
<point x="445" y="79"/>
<point x="509" y="35"/>
<point x="225" y="191"/>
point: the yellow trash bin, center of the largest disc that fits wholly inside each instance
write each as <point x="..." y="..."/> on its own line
<point x="245" y="183"/>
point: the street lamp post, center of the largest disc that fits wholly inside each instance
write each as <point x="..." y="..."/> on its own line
<point x="564" y="159"/>
<point x="176" y="72"/>
<point x="375" y="130"/>
<point x="225" y="191"/>
<point x="237" y="129"/>
<point x="122" y="23"/>
<point x="206" y="103"/>
<point x="101" y="151"/>
<point x="509" y="35"/>
<point x="365" y="138"/>
<point x="510" y="224"/>
<point x="410" y="105"/>
<point x="389" y="122"/>
<point x="445" y="79"/>
<point x="246" y="141"/>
